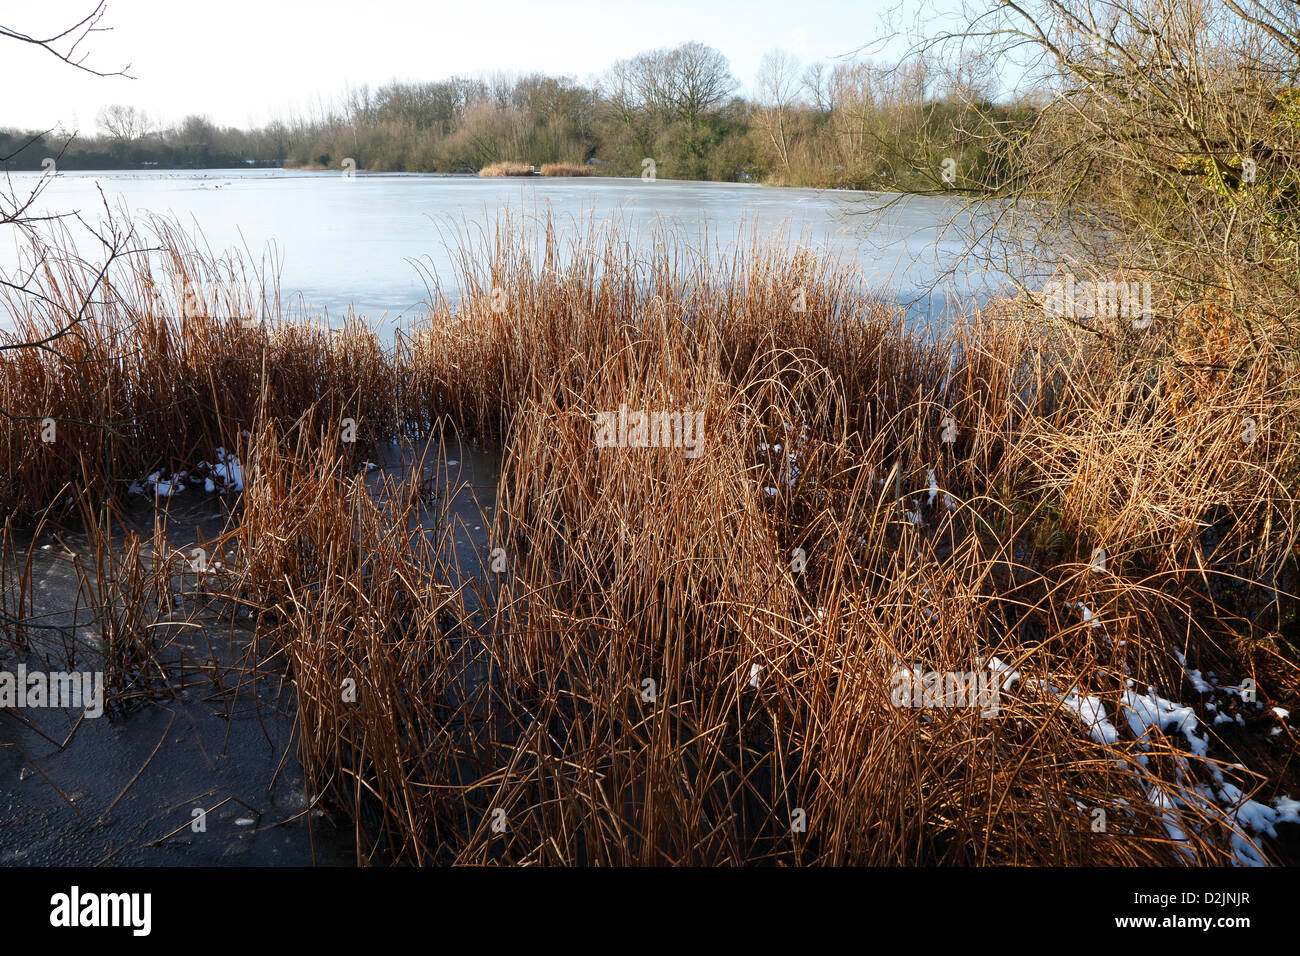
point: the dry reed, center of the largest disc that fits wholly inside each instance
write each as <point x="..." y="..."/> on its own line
<point x="565" y="169"/>
<point x="507" y="168"/>
<point x="677" y="659"/>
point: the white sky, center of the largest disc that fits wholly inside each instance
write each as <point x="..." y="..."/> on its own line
<point x="245" y="62"/>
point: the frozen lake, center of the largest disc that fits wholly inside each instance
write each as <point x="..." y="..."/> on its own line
<point x="372" y="242"/>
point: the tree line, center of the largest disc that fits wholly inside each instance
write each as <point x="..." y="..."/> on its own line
<point x="855" y="123"/>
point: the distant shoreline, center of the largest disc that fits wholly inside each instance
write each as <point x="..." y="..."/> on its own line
<point x="317" y="168"/>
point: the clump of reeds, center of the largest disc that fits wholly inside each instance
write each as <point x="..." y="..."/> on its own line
<point x="507" y="168"/>
<point x="565" y="169"/>
<point x="174" y="359"/>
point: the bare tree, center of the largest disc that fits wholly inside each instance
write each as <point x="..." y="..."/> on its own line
<point x="124" y="124"/>
<point x="650" y="76"/>
<point x="818" y="84"/>
<point x="699" y="79"/>
<point x="776" y="90"/>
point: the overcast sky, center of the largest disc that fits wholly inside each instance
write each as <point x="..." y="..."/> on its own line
<point x="246" y="62"/>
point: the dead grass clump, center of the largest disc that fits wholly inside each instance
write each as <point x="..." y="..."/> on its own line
<point x="565" y="169"/>
<point x="507" y="168"/>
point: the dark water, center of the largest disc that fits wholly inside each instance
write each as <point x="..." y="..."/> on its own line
<point x="122" y="789"/>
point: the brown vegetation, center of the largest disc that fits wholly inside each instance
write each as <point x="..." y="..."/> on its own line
<point x="565" y="169"/>
<point x="507" y="169"/>
<point x="518" y="695"/>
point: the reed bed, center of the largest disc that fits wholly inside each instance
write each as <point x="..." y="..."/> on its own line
<point x="672" y="658"/>
<point x="507" y="168"/>
<point x="565" y="169"/>
<point x="176" y="359"/>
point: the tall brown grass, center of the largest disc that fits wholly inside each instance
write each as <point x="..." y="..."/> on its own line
<point x="176" y="359"/>
<point x="644" y="673"/>
<point x="565" y="169"/>
<point x="507" y="168"/>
